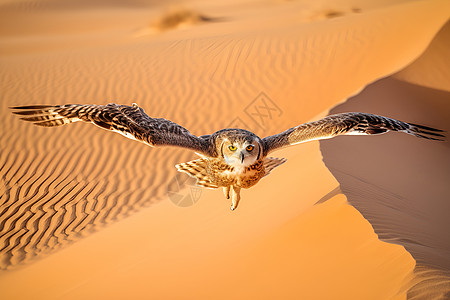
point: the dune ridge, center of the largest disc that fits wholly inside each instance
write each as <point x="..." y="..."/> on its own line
<point x="431" y="69"/>
<point x="179" y="17"/>
<point x="36" y="5"/>
<point x="401" y="203"/>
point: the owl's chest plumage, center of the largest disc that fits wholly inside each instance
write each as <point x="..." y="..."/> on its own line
<point x="223" y="174"/>
<point x="215" y="172"/>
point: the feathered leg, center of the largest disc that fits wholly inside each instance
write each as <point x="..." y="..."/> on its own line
<point x="226" y="191"/>
<point x="235" y="196"/>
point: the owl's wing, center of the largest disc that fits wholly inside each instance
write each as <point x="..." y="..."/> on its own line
<point x="130" y="121"/>
<point x="352" y="123"/>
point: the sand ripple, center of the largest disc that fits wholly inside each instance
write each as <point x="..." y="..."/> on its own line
<point x="58" y="185"/>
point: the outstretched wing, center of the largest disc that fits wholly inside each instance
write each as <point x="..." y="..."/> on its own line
<point x="346" y="123"/>
<point x="130" y="121"/>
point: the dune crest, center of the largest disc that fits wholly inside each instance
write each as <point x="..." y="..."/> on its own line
<point x="410" y="215"/>
<point x="179" y="17"/>
<point x="406" y="201"/>
<point x="432" y="68"/>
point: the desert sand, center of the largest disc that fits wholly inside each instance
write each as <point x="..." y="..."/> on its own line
<point x="89" y="214"/>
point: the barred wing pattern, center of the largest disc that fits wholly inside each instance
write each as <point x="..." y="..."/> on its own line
<point x="352" y="123"/>
<point x="130" y="121"/>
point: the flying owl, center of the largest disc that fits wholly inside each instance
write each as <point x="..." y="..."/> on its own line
<point x="229" y="158"/>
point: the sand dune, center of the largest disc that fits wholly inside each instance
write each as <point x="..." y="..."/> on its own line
<point x="179" y="17"/>
<point x="37" y="5"/>
<point x="405" y="202"/>
<point x="431" y="69"/>
<point x="266" y="67"/>
<point x="390" y="183"/>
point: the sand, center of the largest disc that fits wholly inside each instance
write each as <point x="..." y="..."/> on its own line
<point x="397" y="196"/>
<point x="86" y="214"/>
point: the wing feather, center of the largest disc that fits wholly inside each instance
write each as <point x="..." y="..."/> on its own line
<point x="197" y="169"/>
<point x="346" y="124"/>
<point x="130" y="121"/>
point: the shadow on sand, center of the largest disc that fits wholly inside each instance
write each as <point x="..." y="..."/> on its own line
<point x="399" y="183"/>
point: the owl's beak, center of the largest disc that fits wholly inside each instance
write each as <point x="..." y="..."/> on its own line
<point x="242" y="158"/>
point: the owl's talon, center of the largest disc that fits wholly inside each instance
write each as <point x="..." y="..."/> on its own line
<point x="226" y="192"/>
<point x="236" y="196"/>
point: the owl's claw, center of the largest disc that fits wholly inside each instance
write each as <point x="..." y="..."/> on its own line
<point x="226" y="192"/>
<point x="235" y="197"/>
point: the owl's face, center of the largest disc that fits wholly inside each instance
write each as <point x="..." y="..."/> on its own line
<point x="240" y="153"/>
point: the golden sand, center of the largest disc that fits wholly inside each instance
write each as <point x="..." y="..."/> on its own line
<point x="85" y="214"/>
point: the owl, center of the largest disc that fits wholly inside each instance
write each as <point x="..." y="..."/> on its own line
<point x="232" y="158"/>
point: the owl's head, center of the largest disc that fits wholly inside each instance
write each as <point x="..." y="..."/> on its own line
<point x="240" y="148"/>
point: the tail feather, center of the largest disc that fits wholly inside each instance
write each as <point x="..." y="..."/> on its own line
<point x="197" y="169"/>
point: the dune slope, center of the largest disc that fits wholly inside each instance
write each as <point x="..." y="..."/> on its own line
<point x="262" y="66"/>
<point x="399" y="183"/>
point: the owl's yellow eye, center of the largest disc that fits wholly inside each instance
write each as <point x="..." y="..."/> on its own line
<point x="249" y="148"/>
<point x="232" y="148"/>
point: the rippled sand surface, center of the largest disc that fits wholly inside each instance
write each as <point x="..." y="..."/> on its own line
<point x="86" y="213"/>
